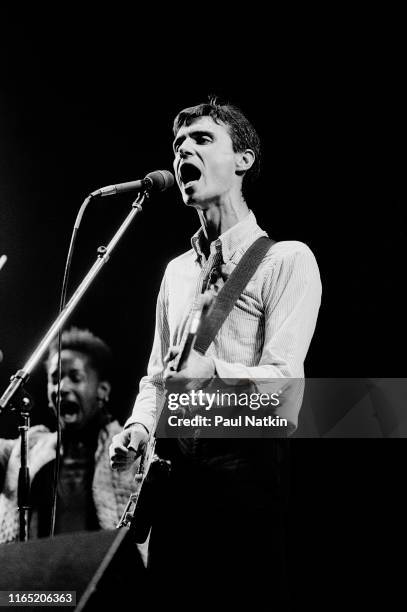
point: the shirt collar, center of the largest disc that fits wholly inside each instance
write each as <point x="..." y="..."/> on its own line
<point x="228" y="242"/>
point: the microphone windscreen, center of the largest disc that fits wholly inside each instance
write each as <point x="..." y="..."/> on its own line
<point x="161" y="179"/>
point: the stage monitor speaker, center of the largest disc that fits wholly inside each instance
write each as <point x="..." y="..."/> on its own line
<point x="105" y="568"/>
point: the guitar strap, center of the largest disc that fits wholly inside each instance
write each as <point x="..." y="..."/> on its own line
<point x="230" y="292"/>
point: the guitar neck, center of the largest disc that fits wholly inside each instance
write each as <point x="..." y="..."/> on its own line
<point x="199" y="312"/>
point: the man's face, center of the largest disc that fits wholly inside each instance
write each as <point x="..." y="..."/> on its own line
<point x="80" y="386"/>
<point x="205" y="163"/>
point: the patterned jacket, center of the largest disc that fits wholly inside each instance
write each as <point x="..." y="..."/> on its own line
<point x="110" y="489"/>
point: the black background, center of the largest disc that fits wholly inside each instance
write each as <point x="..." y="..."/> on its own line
<point x="87" y="102"/>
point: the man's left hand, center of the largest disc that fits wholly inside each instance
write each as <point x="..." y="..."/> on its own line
<point x="196" y="372"/>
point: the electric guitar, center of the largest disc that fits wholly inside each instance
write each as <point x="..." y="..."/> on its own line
<point x="138" y="516"/>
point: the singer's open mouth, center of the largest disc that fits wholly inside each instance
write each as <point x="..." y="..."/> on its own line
<point x="70" y="411"/>
<point x="189" y="173"/>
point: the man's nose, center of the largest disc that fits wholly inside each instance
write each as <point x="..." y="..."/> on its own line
<point x="185" y="149"/>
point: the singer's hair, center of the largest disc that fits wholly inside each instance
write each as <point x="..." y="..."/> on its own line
<point x="83" y="341"/>
<point x="241" y="131"/>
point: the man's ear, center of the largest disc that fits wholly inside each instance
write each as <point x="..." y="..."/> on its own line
<point x="244" y="161"/>
<point x="103" y="390"/>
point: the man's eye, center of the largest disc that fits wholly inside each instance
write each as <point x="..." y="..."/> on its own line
<point x="204" y="139"/>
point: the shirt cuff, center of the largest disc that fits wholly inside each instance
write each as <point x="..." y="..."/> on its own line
<point x="139" y="420"/>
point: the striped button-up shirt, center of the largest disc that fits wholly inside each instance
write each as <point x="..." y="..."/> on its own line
<point x="265" y="336"/>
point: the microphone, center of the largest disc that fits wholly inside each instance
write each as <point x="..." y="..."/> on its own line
<point x="159" y="180"/>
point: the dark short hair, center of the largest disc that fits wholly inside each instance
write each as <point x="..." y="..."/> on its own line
<point x="83" y="341"/>
<point x="241" y="131"/>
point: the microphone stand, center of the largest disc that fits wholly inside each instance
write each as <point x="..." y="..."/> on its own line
<point x="17" y="397"/>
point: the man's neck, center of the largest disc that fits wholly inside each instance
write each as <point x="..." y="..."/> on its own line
<point x="218" y="219"/>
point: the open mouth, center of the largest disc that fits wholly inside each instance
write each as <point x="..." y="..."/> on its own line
<point x="189" y="173"/>
<point x="70" y="412"/>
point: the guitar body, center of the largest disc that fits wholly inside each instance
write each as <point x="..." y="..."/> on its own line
<point x="151" y="498"/>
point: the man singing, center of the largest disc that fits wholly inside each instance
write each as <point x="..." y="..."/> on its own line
<point x="223" y="524"/>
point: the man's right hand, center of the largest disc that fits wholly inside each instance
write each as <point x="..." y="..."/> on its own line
<point x="127" y="446"/>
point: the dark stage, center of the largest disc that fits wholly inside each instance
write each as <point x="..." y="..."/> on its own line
<point x="81" y="110"/>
